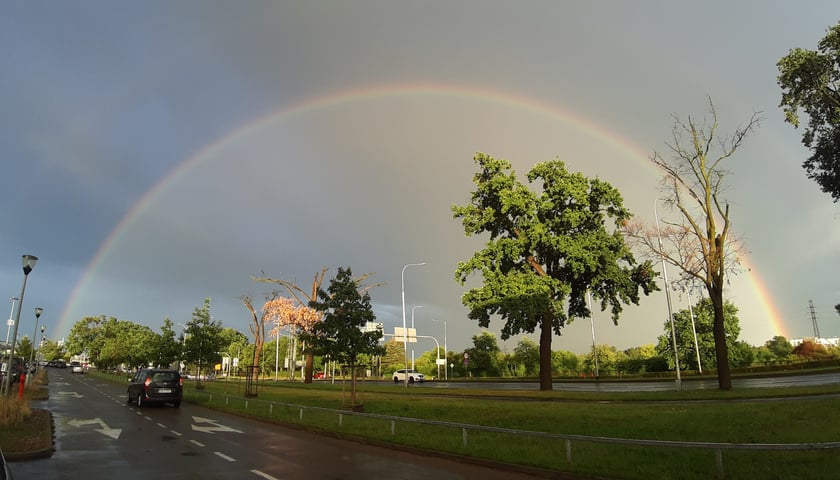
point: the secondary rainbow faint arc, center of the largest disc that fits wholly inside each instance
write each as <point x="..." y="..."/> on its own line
<point x="356" y="95"/>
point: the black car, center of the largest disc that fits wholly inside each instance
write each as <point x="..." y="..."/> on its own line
<point x="156" y="385"/>
<point x="17" y="368"/>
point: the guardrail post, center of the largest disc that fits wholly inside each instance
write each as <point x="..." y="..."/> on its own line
<point x="393" y="427"/>
<point x="227" y="400"/>
<point x="568" y="451"/>
<point x="271" y="408"/>
<point x="340" y="418"/>
<point x="300" y="417"/>
<point x="246" y="404"/>
<point x="719" y="462"/>
<point x="464" y="436"/>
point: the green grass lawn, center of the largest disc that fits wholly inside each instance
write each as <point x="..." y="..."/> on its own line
<point x="764" y="416"/>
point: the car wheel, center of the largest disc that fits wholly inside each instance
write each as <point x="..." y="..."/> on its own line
<point x="410" y="379"/>
<point x="139" y="400"/>
<point x="396" y="380"/>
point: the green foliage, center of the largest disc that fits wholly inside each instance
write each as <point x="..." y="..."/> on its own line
<point x="394" y="357"/>
<point x="809" y="80"/>
<point x="564" y="363"/>
<point x="204" y="338"/>
<point x="527" y="356"/>
<point x="51" y="351"/>
<point x="779" y="347"/>
<point x="167" y="348"/>
<point x="485" y="358"/>
<point x="546" y="248"/>
<point x="703" y="323"/>
<point x="339" y="335"/>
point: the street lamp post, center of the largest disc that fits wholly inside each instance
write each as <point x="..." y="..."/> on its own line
<point x="412" y="326"/>
<point x="11" y="320"/>
<point x="41" y="344"/>
<point x="38" y="312"/>
<point x="28" y="262"/>
<point x="405" y="333"/>
<point x="668" y="299"/>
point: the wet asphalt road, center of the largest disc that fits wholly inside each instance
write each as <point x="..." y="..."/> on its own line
<point x="100" y="436"/>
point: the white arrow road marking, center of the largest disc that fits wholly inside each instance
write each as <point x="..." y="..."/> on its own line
<point x="215" y="426"/>
<point x="105" y="429"/>
<point x="71" y="394"/>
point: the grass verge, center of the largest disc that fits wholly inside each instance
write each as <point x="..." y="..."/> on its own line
<point x="26" y="431"/>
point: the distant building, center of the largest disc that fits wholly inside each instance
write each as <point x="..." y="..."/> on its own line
<point x="826" y="342"/>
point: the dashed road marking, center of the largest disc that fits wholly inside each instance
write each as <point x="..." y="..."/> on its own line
<point x="263" y="475"/>
<point x="196" y="442"/>
<point x="222" y="455"/>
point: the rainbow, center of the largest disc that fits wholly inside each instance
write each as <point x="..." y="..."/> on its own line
<point x="377" y="92"/>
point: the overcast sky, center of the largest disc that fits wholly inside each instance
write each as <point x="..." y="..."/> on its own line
<point x="157" y="153"/>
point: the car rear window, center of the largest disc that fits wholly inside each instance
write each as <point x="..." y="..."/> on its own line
<point x="164" y="376"/>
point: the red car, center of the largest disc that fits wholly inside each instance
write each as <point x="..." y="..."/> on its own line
<point x="319" y="376"/>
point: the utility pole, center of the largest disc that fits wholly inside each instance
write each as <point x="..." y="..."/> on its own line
<point x="814" y="319"/>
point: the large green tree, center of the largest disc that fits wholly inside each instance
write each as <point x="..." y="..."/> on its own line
<point x="810" y="82"/>
<point x="341" y="335"/>
<point x="546" y="250"/>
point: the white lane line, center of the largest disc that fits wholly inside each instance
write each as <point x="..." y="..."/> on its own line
<point x="222" y="455"/>
<point x="173" y="432"/>
<point x="197" y="443"/>
<point x="264" y="475"/>
<point x="161" y="425"/>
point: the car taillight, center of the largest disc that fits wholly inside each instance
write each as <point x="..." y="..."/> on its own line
<point x="181" y="381"/>
<point x="148" y="382"/>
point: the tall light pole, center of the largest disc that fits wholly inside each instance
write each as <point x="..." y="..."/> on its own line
<point x="11" y="320"/>
<point x="694" y="330"/>
<point x="28" y="262"/>
<point x="41" y="343"/>
<point x="445" y="353"/>
<point x="668" y="299"/>
<point x="412" y="326"/>
<point x="38" y="312"/>
<point x="405" y="333"/>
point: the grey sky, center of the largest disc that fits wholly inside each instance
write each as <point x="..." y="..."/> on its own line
<point x="314" y="134"/>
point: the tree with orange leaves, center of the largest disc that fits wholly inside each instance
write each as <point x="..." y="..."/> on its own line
<point x="285" y="312"/>
<point x="304" y="298"/>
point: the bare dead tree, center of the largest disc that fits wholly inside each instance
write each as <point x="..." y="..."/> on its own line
<point x="701" y="244"/>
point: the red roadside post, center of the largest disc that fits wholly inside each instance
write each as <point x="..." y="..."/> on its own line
<point x="21" y="385"/>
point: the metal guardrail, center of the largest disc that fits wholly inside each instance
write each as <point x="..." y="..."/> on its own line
<point x="717" y="447"/>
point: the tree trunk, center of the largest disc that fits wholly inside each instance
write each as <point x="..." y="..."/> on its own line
<point x="309" y="364"/>
<point x="545" y="353"/>
<point x="352" y="386"/>
<point x="721" y="348"/>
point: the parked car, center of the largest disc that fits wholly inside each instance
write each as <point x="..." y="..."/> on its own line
<point x="319" y="376"/>
<point x="155" y="385"/>
<point x="17" y="368"/>
<point x="76" y="367"/>
<point x="413" y="376"/>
